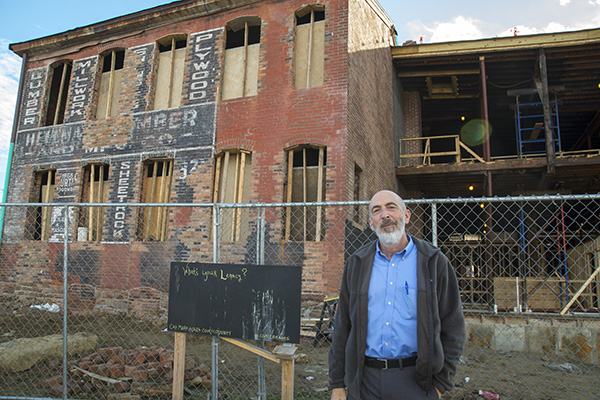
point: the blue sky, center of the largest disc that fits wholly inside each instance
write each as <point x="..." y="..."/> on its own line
<point x="433" y="21"/>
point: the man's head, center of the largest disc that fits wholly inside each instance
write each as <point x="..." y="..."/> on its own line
<point x="388" y="217"/>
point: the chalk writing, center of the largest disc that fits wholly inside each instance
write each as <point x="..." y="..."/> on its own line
<point x="122" y="193"/>
<point x="222" y="275"/>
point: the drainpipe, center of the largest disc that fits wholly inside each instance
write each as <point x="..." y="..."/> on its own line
<point x="13" y="138"/>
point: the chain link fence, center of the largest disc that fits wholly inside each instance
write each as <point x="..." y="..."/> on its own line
<point x="85" y="297"/>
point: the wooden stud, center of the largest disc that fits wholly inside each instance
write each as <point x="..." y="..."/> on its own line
<point x="310" y="45"/>
<point x="62" y="89"/>
<point x="240" y="195"/>
<point x="91" y="200"/>
<point x="320" y="184"/>
<point x="304" y="191"/>
<point x="288" y="211"/>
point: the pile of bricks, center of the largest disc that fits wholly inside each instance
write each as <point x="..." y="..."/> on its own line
<point x="142" y="371"/>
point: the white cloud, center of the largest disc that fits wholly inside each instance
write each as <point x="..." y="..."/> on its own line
<point x="564" y="2"/>
<point x="10" y="67"/>
<point x="459" y="28"/>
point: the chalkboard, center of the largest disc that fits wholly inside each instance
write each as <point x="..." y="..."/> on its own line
<point x="260" y="302"/>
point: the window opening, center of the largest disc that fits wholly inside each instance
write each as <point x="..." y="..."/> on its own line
<point x="39" y="224"/>
<point x="232" y="185"/>
<point x="94" y="191"/>
<point x="157" y="189"/>
<point x="171" y="66"/>
<point x="59" y="89"/>
<point x="242" y="46"/>
<point x="110" y="83"/>
<point x="306" y="183"/>
<point x="310" y="47"/>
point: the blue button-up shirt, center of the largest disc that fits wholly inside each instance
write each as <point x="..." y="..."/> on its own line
<point x="392" y="315"/>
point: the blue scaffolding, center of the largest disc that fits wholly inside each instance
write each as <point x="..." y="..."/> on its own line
<point x="530" y="129"/>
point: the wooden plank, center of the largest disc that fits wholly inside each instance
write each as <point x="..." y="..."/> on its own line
<point x="178" y="365"/>
<point x="288" y="211"/>
<point x="251" y="348"/>
<point x="582" y="288"/>
<point x="320" y="191"/>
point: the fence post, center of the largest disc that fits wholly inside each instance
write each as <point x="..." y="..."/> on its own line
<point x="434" y="224"/>
<point x="215" y="340"/>
<point x="65" y="291"/>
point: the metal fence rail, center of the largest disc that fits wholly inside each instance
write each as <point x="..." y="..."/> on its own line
<point x="84" y="294"/>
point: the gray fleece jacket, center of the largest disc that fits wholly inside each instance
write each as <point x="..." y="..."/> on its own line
<point x="440" y="320"/>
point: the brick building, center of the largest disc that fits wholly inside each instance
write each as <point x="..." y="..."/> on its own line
<point x="194" y="102"/>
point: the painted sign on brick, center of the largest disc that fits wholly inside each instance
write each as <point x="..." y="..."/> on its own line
<point x="33" y="91"/>
<point x="119" y="219"/>
<point x="204" y="67"/>
<point x="81" y="85"/>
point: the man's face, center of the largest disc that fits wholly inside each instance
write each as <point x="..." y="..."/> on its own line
<point x="388" y="217"/>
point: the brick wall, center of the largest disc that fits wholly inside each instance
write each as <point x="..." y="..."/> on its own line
<point x="350" y="114"/>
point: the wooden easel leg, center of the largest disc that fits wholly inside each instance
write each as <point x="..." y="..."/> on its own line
<point x="178" y="365"/>
<point x="287" y="379"/>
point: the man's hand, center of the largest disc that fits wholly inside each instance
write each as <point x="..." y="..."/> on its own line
<point x="338" y="394"/>
<point x="438" y="392"/>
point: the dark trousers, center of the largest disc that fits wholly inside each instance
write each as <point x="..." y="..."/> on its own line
<point x="392" y="384"/>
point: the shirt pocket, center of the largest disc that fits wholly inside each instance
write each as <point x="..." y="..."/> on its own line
<point x="408" y="302"/>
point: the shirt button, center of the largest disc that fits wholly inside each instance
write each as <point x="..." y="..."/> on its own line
<point x="393" y="265"/>
<point x="391" y="283"/>
<point x="389" y="303"/>
<point x="387" y="323"/>
<point x="386" y="343"/>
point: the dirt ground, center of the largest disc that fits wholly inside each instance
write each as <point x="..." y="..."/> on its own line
<point x="510" y="375"/>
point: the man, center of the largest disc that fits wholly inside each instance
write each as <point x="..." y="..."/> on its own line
<point x="399" y="328"/>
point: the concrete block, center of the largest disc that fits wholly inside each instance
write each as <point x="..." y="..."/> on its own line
<point x="509" y="338"/>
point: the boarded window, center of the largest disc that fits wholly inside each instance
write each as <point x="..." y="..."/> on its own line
<point x="240" y="76"/>
<point x="110" y="83"/>
<point x="306" y="183"/>
<point x="39" y="217"/>
<point x="156" y="189"/>
<point x="94" y="191"/>
<point x="310" y="47"/>
<point x="232" y="185"/>
<point x="59" y="89"/>
<point x="171" y="66"/>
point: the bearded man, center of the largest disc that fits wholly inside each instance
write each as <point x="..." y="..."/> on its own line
<point x="399" y="327"/>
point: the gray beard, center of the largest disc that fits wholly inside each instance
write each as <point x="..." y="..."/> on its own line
<point x="390" y="238"/>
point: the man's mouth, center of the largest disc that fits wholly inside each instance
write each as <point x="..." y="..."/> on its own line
<point x="387" y="223"/>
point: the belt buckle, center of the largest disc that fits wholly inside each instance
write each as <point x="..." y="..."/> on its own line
<point x="385" y="362"/>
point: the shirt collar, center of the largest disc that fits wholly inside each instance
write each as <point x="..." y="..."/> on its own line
<point x="409" y="248"/>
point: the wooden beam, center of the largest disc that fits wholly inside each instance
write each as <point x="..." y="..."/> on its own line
<point x="582" y="288"/>
<point x="451" y="72"/>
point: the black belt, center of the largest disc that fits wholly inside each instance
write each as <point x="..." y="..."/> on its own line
<point x="382" y="363"/>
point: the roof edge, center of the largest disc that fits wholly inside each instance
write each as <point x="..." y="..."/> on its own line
<point x="559" y="39"/>
<point x="145" y="19"/>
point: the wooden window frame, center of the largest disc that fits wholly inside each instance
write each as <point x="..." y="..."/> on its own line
<point x="311" y="9"/>
<point x="113" y="89"/>
<point x="320" y="190"/>
<point x="94" y="220"/>
<point x="243" y="159"/>
<point x="171" y="41"/>
<point x="39" y="224"/>
<point x="244" y="23"/>
<point x="57" y="96"/>
<point x="158" y="214"/>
